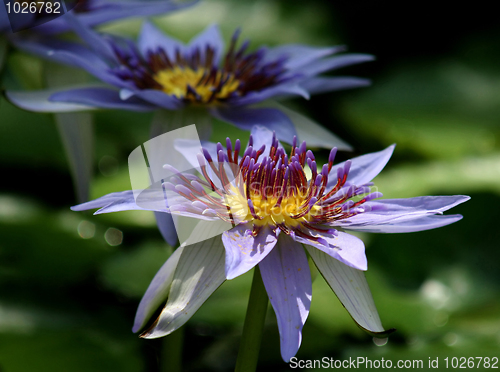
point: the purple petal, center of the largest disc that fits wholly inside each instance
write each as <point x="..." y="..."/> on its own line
<point x="363" y="168"/>
<point x="286" y="276"/>
<point x="346" y="248"/>
<point x="299" y="55"/>
<point x="38" y="101"/>
<point x="209" y="37"/>
<point x="151" y="39"/>
<point x="352" y="290"/>
<point x="397" y="211"/>
<point x="337" y="62"/>
<point x="246" y="118"/>
<point x="418" y="224"/>
<point x="199" y="272"/>
<point x="106" y="11"/>
<point x="157" y="292"/>
<point x="317" y="85"/>
<point x="166" y="227"/>
<point x="243" y="250"/>
<point x="159" y="98"/>
<point x="101" y="46"/>
<point x="101" y="98"/>
<point x="285" y="90"/>
<point x="115" y="202"/>
<point x="191" y="148"/>
<point x="262" y="136"/>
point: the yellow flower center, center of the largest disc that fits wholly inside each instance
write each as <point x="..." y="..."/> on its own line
<point x="205" y="86"/>
<point x="268" y="211"/>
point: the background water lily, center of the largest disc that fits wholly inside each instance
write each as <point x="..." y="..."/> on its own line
<point x="276" y="210"/>
<point x="159" y="72"/>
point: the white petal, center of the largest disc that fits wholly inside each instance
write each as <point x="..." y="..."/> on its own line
<point x="157" y="292"/>
<point x="199" y="272"/>
<point x="351" y="288"/>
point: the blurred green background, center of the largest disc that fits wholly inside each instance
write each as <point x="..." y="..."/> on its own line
<point x="70" y="282"/>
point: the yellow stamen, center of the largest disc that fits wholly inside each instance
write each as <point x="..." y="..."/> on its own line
<point x="175" y="82"/>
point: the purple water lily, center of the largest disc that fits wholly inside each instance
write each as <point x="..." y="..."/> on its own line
<point x="92" y="13"/>
<point x="159" y="72"/>
<point x="279" y="214"/>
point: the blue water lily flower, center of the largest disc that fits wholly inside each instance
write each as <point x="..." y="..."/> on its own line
<point x="280" y="214"/>
<point x="159" y="72"/>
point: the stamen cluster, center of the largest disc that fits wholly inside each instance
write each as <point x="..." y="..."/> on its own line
<point x="194" y="76"/>
<point x="272" y="190"/>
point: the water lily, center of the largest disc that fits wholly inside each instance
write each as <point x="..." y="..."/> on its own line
<point x="279" y="214"/>
<point x="159" y="72"/>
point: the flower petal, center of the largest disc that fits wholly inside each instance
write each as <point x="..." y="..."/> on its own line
<point x="396" y="211"/>
<point x="314" y="134"/>
<point x="98" y="43"/>
<point x="299" y="55"/>
<point x="246" y="118"/>
<point x="364" y="168"/>
<point x="105" y="11"/>
<point x="158" y="98"/>
<point x="209" y="37"/>
<point x="243" y="250"/>
<point x="344" y="247"/>
<point x="285" y="90"/>
<point x="317" y="85"/>
<point x="286" y="276"/>
<point x="199" y="272"/>
<point x="262" y="136"/>
<point x="336" y="62"/>
<point x="417" y="224"/>
<point x="102" y="98"/>
<point x="167" y="228"/>
<point x="157" y="292"/>
<point x="38" y="101"/>
<point x="151" y="39"/>
<point x="352" y="290"/>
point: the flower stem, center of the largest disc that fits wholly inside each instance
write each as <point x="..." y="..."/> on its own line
<point x="248" y="353"/>
<point x="171" y="352"/>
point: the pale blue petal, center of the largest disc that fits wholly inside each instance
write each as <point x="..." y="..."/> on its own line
<point x="299" y="55"/>
<point x="401" y="210"/>
<point x="344" y="247"/>
<point x="321" y="84"/>
<point x="151" y="39"/>
<point x="38" y="101"/>
<point x="159" y="99"/>
<point x="167" y="228"/>
<point x="211" y="36"/>
<point x="364" y="168"/>
<point x="286" y="276"/>
<point x="262" y="136"/>
<point x="332" y="63"/>
<point x="407" y="226"/>
<point x="246" y="118"/>
<point x="101" y="98"/>
<point x="243" y="250"/>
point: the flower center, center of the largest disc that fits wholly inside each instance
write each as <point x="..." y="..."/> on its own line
<point x="197" y="85"/>
<point x="272" y="192"/>
<point x="195" y="76"/>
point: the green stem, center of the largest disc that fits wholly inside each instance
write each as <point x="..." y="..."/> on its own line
<point x="171" y="352"/>
<point x="248" y="353"/>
